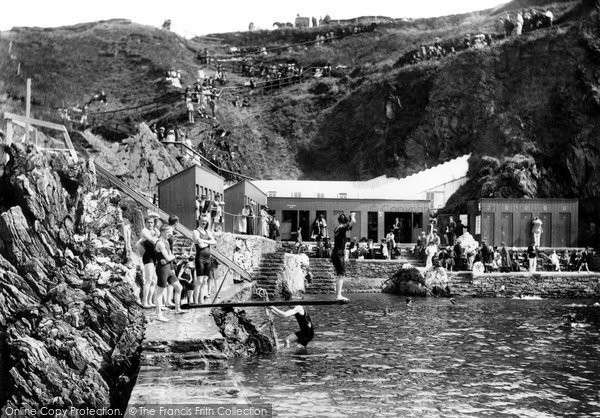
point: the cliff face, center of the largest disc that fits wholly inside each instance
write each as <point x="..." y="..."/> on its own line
<point x="534" y="96"/>
<point x="69" y="325"/>
<point x="526" y="107"/>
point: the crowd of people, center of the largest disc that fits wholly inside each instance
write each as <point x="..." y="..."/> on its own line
<point x="516" y="24"/>
<point x="167" y="279"/>
<point x="265" y="222"/>
<point x="526" y="21"/>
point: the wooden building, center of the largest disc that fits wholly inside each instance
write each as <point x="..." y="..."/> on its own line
<point x="236" y="197"/>
<point x="510" y="221"/>
<point x="374" y="217"/>
<point x="377" y="202"/>
<point x="177" y="194"/>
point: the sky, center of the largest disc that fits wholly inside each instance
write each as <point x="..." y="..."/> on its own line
<point x="199" y="17"/>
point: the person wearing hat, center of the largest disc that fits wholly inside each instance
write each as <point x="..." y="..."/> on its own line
<point x="160" y="135"/>
<point x="164" y="273"/>
<point x="264" y="221"/>
<point x="203" y="239"/>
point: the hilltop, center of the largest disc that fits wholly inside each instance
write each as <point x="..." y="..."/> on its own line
<point x="525" y="107"/>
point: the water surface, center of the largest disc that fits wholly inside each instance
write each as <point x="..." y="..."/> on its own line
<point x="480" y="357"/>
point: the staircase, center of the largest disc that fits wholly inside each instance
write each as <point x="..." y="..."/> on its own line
<point x="323" y="276"/>
<point x="268" y="273"/>
<point x="409" y="257"/>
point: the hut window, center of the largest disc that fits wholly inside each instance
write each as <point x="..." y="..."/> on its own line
<point x="342" y="195"/>
<point x="321" y="195"/>
<point x="272" y="194"/>
<point x="296" y="194"/>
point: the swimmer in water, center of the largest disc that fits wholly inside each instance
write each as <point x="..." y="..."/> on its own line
<point x="306" y="333"/>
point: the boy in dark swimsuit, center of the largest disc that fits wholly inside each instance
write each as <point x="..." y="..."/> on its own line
<point x="339" y="247"/>
<point x="306" y="333"/>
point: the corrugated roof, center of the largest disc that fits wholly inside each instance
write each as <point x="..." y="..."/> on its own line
<point x="414" y="186"/>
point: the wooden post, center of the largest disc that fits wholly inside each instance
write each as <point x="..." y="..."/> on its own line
<point x="19" y="68"/>
<point x="27" y="109"/>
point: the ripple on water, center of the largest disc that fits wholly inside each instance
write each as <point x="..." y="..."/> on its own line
<point x="489" y="358"/>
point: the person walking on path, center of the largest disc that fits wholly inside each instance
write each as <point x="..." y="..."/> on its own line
<point x="339" y="247"/>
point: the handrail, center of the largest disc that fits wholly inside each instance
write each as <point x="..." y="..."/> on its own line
<point x="256" y="50"/>
<point x="123" y="109"/>
<point x="181" y="144"/>
<point x="165" y="218"/>
<point x="265" y="83"/>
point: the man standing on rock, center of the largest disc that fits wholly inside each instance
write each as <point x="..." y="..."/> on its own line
<point x="339" y="247"/>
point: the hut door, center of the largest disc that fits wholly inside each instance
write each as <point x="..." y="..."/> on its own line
<point x="372" y="220"/>
<point x="546" y="238"/>
<point x="506" y="228"/>
<point x="487" y="227"/>
<point x="563" y="234"/>
<point x="525" y="237"/>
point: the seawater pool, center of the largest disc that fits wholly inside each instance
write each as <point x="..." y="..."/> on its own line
<point x="479" y="357"/>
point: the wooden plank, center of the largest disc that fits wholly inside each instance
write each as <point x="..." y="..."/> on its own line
<point x="261" y="303"/>
<point x="32" y="121"/>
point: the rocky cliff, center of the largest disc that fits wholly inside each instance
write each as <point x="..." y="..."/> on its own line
<point x="526" y="107"/>
<point x="69" y="326"/>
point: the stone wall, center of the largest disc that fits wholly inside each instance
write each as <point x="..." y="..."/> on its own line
<point x="361" y="275"/>
<point x="543" y="284"/>
<point x="369" y="275"/>
<point x="70" y="327"/>
<point x="251" y="247"/>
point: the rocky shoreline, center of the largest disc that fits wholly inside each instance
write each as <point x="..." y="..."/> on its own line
<point x="71" y="330"/>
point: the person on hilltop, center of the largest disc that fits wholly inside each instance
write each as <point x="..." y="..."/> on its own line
<point x="190" y="109"/>
<point x="338" y="253"/>
<point x="519" y="24"/>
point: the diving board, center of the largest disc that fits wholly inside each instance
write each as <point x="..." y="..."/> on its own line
<point x="263" y="303"/>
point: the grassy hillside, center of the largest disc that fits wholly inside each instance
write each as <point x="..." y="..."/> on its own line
<point x="526" y="107"/>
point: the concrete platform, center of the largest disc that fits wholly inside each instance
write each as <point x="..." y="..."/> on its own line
<point x="178" y="357"/>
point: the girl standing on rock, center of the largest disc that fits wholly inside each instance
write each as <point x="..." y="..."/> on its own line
<point x="147" y="242"/>
<point x="339" y="247"/>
